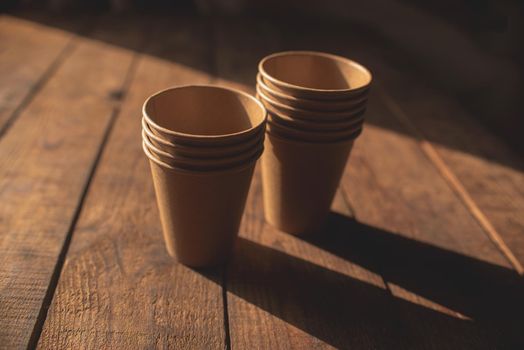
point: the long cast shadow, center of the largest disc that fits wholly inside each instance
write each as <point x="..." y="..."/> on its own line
<point x="346" y="312"/>
<point x="492" y="296"/>
<point x="342" y="311"/>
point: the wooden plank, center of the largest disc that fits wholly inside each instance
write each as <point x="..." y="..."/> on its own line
<point x="326" y="291"/>
<point x="491" y="174"/>
<point x="283" y="292"/>
<point x="30" y="52"/>
<point x="482" y="171"/>
<point x="433" y="252"/>
<point x="119" y="288"/>
<point x="394" y="187"/>
<point x="489" y="171"/>
<point x="45" y="163"/>
<point x="408" y="222"/>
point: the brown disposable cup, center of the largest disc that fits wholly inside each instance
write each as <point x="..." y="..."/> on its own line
<point x="200" y="212"/>
<point x="314" y="75"/>
<point x="297" y="113"/>
<point x="204" y="115"/>
<point x="203" y="164"/>
<point x="300" y="180"/>
<point x="280" y="118"/>
<point x="201" y="152"/>
<point x="310" y="104"/>
<point x="313" y="136"/>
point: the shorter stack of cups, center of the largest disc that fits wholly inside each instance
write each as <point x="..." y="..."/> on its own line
<point x="202" y="143"/>
<point x="316" y="104"/>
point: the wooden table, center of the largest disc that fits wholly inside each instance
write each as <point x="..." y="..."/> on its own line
<point x="424" y="248"/>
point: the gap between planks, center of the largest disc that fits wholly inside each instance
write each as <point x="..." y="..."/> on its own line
<point x="227" y="335"/>
<point x="212" y="30"/>
<point x="48" y="73"/>
<point x="351" y="211"/>
<point x="51" y="289"/>
<point x="450" y="178"/>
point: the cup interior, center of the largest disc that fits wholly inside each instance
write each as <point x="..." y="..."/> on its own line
<point x="203" y="111"/>
<point x="315" y="71"/>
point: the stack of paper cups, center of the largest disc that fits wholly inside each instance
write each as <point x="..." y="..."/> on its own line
<point x="202" y="143"/>
<point x="316" y="104"/>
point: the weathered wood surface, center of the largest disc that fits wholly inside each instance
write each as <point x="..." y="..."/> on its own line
<point x="45" y="163"/>
<point x="393" y="186"/>
<point x="426" y="244"/>
<point x="401" y="263"/>
<point x="29" y="54"/>
<point x="119" y="288"/>
<point x="392" y="198"/>
<point x="277" y="284"/>
<point x="469" y="151"/>
<point x="491" y="174"/>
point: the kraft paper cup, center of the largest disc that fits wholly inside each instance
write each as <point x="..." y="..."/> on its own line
<point x="304" y="114"/>
<point x="315" y="75"/>
<point x="313" y="136"/>
<point x="203" y="164"/>
<point x="283" y="119"/>
<point x="199" y="228"/>
<point x="199" y="152"/>
<point x="197" y="115"/>
<point x="310" y="104"/>
<point x="300" y="180"/>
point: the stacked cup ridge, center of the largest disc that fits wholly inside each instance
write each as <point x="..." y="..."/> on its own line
<point x="316" y="104"/>
<point x="202" y="143"/>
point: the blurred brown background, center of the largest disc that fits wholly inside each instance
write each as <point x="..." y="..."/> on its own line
<point x="471" y="50"/>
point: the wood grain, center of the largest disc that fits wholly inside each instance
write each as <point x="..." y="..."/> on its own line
<point x="401" y="263"/>
<point x="434" y="252"/>
<point x="286" y="293"/>
<point x="45" y="162"/>
<point x="488" y="170"/>
<point x="490" y="173"/>
<point x="411" y="229"/>
<point x="21" y="74"/>
<point x="283" y="292"/>
<point x="119" y="288"/>
<point x="394" y="188"/>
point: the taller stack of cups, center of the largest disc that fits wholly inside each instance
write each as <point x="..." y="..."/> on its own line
<point x="202" y="143"/>
<point x="316" y="104"/>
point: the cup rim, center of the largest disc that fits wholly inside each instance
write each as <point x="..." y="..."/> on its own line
<point x="250" y="151"/>
<point x="311" y="129"/>
<point x="295" y="140"/>
<point x="338" y="115"/>
<point x="188" y="148"/>
<point x="356" y="119"/>
<point x="198" y="136"/>
<point x="323" y="135"/>
<point x="280" y="94"/>
<point x="199" y="172"/>
<point x="338" y="58"/>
